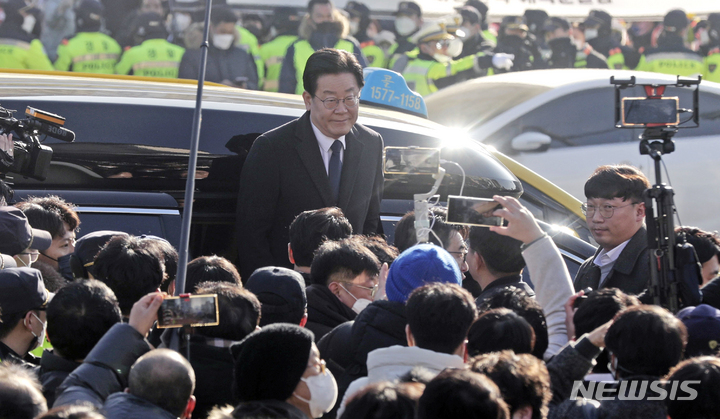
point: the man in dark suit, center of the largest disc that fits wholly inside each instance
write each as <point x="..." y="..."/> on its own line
<point x="323" y="159"/>
<point x="615" y="214"/>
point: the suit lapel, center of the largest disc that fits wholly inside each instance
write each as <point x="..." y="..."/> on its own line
<point x="309" y="152"/>
<point x="353" y="155"/>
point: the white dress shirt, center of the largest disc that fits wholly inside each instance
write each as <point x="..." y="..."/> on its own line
<point x="325" y="142"/>
<point x="606" y="260"/>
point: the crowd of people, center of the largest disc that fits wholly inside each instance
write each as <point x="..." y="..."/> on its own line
<point x="269" y="52"/>
<point x="322" y="317"/>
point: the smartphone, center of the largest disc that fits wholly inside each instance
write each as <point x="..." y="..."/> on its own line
<point x="472" y="211"/>
<point x="411" y="160"/>
<point x="188" y="310"/>
<point x="641" y="111"/>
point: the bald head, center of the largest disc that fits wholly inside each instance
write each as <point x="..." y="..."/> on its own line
<point x="164" y="378"/>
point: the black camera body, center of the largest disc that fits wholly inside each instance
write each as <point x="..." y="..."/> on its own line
<point x="30" y="157"/>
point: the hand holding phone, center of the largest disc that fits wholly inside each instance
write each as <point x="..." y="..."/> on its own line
<point x="188" y="310"/>
<point x="521" y="223"/>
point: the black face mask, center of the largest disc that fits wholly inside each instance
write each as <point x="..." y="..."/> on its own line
<point x="64" y="267"/>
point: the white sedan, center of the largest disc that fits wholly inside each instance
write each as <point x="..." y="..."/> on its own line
<point x="560" y="123"/>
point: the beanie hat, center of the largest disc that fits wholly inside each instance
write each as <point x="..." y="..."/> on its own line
<point x="270" y="362"/>
<point x="419" y="265"/>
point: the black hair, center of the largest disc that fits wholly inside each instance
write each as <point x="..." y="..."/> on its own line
<point x="439" y="316"/>
<point x="705" y="371"/>
<point x="385" y="252"/>
<point x="164" y="378"/>
<point x="384" y="400"/>
<point x="500" y="329"/>
<point x="169" y="256"/>
<point x="311" y="228"/>
<point x="523" y="379"/>
<point x="501" y="254"/>
<point x="706" y="244"/>
<point x="342" y="261"/>
<point x="20" y="393"/>
<point x="617" y="181"/>
<point x="223" y="14"/>
<point x="49" y="213"/>
<point x="238" y="311"/>
<point x="131" y="267"/>
<point x="76" y="411"/>
<point x="79" y="315"/>
<point x="520" y="302"/>
<point x="9" y="322"/>
<point x="330" y="61"/>
<point x="210" y="269"/>
<point x="458" y="393"/>
<point x="405" y="235"/>
<point x="646" y="340"/>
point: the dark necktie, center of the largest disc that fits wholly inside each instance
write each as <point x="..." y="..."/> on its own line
<point x="335" y="168"/>
<point x="593" y="277"/>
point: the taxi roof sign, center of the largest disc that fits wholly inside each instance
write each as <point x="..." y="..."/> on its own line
<point x="388" y="89"/>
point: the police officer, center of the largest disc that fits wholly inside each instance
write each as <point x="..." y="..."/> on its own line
<point x="488" y="34"/>
<point x="434" y="68"/>
<point x="248" y="42"/>
<point x="712" y="60"/>
<point x="359" y="22"/>
<point x="471" y="33"/>
<point x="598" y="33"/>
<point x="18" y="48"/>
<point x="513" y="39"/>
<point x="155" y="56"/>
<point x="563" y="51"/>
<point x="323" y="27"/>
<point x="671" y="55"/>
<point x="89" y="51"/>
<point x="285" y="28"/>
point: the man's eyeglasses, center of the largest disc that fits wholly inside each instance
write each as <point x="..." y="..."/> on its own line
<point x="33" y="256"/>
<point x="331" y="103"/>
<point x="372" y="289"/>
<point x="461" y="254"/>
<point x="606" y="211"/>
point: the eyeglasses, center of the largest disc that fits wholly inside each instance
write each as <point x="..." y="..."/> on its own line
<point x="33" y="256"/>
<point x="606" y="211"/>
<point x="319" y="366"/>
<point x="331" y="103"/>
<point x="461" y="254"/>
<point x="372" y="289"/>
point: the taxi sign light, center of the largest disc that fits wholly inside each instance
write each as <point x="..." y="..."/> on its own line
<point x="388" y="89"/>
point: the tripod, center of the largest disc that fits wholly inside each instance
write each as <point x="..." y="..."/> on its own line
<point x="670" y="284"/>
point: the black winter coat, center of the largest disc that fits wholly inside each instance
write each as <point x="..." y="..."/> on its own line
<point x="325" y="311"/>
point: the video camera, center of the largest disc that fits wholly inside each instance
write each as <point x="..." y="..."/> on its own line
<point x="675" y="272"/>
<point x="31" y="158"/>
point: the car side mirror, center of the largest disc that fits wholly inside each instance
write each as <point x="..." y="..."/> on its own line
<point x="531" y="141"/>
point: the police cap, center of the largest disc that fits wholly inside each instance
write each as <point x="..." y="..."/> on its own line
<point x="408" y="8"/>
<point x="675" y="20"/>
<point x="150" y="25"/>
<point x="598" y="18"/>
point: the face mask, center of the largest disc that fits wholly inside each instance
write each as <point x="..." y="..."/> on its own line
<point x="455" y="47"/>
<point x="323" y="393"/>
<point x="591" y="33"/>
<point x="273" y="32"/>
<point x="354" y="27"/>
<point x="360" y="303"/>
<point x="64" y="267"/>
<point x="29" y="23"/>
<point x="223" y="41"/>
<point x="38" y="339"/>
<point x="442" y="58"/>
<point x="704" y="38"/>
<point x="182" y="21"/>
<point x="405" y="26"/>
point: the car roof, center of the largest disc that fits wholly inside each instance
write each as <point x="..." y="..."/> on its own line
<point x="178" y="92"/>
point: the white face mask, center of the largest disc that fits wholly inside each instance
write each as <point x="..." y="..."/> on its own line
<point x="455" y="47"/>
<point x="442" y="58"/>
<point x="591" y="33"/>
<point x="223" y="41"/>
<point x="405" y="26"/>
<point x="28" y="23"/>
<point x="39" y="340"/>
<point x="323" y="393"/>
<point x="354" y="27"/>
<point x="182" y="21"/>
<point x="360" y="303"/>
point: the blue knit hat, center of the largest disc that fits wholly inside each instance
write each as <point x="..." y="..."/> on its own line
<point x="419" y="265"/>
